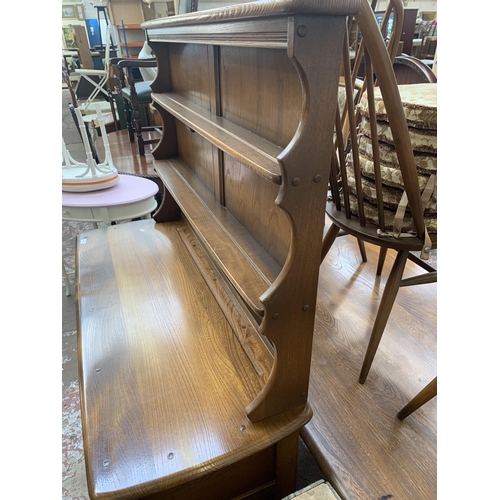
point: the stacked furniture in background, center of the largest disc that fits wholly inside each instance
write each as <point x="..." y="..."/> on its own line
<point x="420" y="108"/>
<point x="133" y="99"/>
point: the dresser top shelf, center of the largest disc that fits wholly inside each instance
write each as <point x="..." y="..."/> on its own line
<point x="250" y="149"/>
<point x="260" y="10"/>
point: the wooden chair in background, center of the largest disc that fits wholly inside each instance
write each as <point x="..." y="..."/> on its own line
<point x="363" y="205"/>
<point x="409" y="69"/>
<point x="355" y="54"/>
<point x="133" y="100"/>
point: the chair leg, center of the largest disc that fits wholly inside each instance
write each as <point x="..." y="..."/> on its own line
<point x="136" y="117"/>
<point x="328" y="240"/>
<point x="362" y="250"/>
<point x="384" y="310"/>
<point x="137" y="122"/>
<point x="91" y="142"/>
<point x="129" y="117"/>
<point x="381" y="260"/>
<point x="113" y="110"/>
<point x="138" y="131"/>
<point x="426" y="394"/>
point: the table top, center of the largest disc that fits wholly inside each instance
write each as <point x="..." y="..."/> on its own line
<point x="129" y="189"/>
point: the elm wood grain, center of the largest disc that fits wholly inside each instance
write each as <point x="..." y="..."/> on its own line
<point x="250" y="270"/>
<point x="167" y="312"/>
<point x="288" y="302"/>
<point x="354" y="435"/>
<point x="177" y="416"/>
<point x="243" y="324"/>
<point x="270" y="33"/>
<point x="191" y="72"/>
<point x="199" y="155"/>
<point x="167" y="148"/>
<point x="258" y="87"/>
<point x="260" y="9"/>
<point x="251" y="199"/>
<point x="249" y="149"/>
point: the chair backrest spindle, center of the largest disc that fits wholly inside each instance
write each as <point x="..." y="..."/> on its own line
<point x="362" y="184"/>
<point x="370" y="84"/>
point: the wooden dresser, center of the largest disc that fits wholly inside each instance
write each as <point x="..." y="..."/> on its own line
<point x="195" y="329"/>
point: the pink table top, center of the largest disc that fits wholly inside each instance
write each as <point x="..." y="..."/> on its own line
<point x="128" y="190"/>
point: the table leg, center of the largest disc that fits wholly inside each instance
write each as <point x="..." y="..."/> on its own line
<point x="105" y="216"/>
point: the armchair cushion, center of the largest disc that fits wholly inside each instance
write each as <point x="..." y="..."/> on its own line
<point x="143" y="90"/>
<point x="391" y="177"/>
<point x="419" y="105"/>
<point x="426" y="163"/>
<point x="423" y="140"/>
<point x="391" y="196"/>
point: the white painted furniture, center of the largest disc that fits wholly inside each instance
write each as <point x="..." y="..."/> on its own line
<point x="88" y="176"/>
<point x="131" y="198"/>
<point x="101" y="74"/>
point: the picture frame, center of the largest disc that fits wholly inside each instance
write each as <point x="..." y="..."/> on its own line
<point x="80" y="13"/>
<point x="69" y="38"/>
<point x="69" y="12"/>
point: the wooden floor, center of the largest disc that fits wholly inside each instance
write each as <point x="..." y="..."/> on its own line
<point x="363" y="449"/>
<point x="125" y="154"/>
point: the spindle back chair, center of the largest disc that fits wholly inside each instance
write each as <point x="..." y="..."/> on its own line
<point x="366" y="202"/>
<point x="355" y="52"/>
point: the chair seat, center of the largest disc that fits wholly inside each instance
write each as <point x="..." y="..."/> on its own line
<point x="369" y="232"/>
<point x="143" y="90"/>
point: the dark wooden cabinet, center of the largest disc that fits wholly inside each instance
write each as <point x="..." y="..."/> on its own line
<point x="408" y="30"/>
